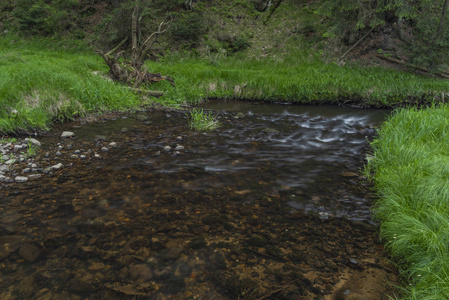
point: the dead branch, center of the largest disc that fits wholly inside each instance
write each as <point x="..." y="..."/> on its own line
<point x="117" y="47"/>
<point x="355" y="45"/>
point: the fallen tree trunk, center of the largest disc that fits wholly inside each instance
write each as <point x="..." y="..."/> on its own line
<point x="400" y="62"/>
<point x="129" y="75"/>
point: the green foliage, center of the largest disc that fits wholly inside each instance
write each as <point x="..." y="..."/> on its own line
<point x="411" y="173"/>
<point x="200" y="120"/>
<point x="351" y="17"/>
<point x="45" y="17"/>
<point x="188" y="29"/>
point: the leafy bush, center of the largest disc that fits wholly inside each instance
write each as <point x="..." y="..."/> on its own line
<point x="188" y="29"/>
<point x="45" y="17"/>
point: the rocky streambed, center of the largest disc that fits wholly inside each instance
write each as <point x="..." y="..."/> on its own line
<point x="140" y="207"/>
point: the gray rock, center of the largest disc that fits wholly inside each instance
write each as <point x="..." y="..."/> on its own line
<point x="323" y="215"/>
<point x="3" y="178"/>
<point x="33" y="166"/>
<point x="141" y="117"/>
<point x="74" y="156"/>
<point x="67" y="134"/>
<point x="167" y="148"/>
<point x="10" y="161"/>
<point x="56" y="167"/>
<point x="77" y="152"/>
<point x="3" y="168"/>
<point x="26" y="170"/>
<point x="124" y="129"/>
<point x="82" y="156"/>
<point x="179" y="148"/>
<point x="58" y="153"/>
<point x="179" y="138"/>
<point x="239" y="115"/>
<point x="18" y="148"/>
<point x="96" y="155"/>
<point x="100" y="138"/>
<point x="33" y="141"/>
<point x="21" y="179"/>
<point x="113" y="144"/>
<point x="104" y="149"/>
<point x="34" y="176"/>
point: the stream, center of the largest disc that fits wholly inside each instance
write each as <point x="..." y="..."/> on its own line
<point x="272" y="205"/>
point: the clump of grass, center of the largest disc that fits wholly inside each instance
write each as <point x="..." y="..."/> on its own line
<point x="201" y="120"/>
<point x="411" y="173"/>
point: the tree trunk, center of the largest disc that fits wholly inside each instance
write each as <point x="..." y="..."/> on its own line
<point x="135" y="54"/>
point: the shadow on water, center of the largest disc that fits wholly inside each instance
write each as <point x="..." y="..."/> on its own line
<point x="269" y="206"/>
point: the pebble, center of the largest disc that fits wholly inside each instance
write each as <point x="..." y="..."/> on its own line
<point x="167" y="148"/>
<point x="82" y="156"/>
<point x="34" y="176"/>
<point x="56" y="167"/>
<point x="179" y="138"/>
<point x="10" y="161"/>
<point x="33" y="141"/>
<point x="96" y="155"/>
<point x="67" y="134"/>
<point x="58" y="153"/>
<point x="104" y="149"/>
<point x="179" y="147"/>
<point x="21" y="179"/>
<point x="77" y="152"/>
<point x="26" y="170"/>
<point x="113" y="144"/>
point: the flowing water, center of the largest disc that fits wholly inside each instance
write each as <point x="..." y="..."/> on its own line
<point x="269" y="206"/>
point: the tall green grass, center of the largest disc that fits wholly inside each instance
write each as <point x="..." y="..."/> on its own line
<point x="42" y="81"/>
<point x="297" y="77"/>
<point x="411" y="167"/>
<point x="46" y="80"/>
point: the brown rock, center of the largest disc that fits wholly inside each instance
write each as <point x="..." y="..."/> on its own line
<point x="30" y="252"/>
<point x="140" y="273"/>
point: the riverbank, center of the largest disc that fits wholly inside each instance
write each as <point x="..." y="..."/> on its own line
<point x="43" y="81"/>
<point x="411" y="166"/>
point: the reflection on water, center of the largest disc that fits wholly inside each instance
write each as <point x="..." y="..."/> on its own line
<point x="171" y="213"/>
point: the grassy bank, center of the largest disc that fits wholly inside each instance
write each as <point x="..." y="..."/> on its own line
<point x="299" y="77"/>
<point x="42" y="81"/>
<point x="411" y="164"/>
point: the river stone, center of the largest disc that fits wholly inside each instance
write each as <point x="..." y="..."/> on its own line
<point x="33" y="141"/>
<point x="104" y="149"/>
<point x="26" y="170"/>
<point x="113" y="144"/>
<point x="34" y="176"/>
<point x="10" y="161"/>
<point x="141" y="117"/>
<point x="140" y="273"/>
<point x="56" y="167"/>
<point x="124" y="130"/>
<point x="239" y="115"/>
<point x="21" y="179"/>
<point x="67" y="134"/>
<point x="29" y="252"/>
<point x="3" y="168"/>
<point x="179" y="148"/>
<point x="167" y="148"/>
